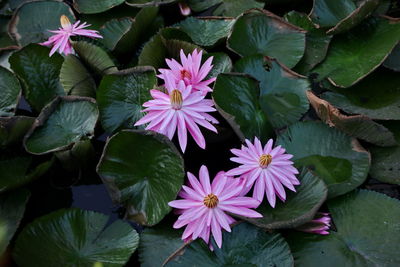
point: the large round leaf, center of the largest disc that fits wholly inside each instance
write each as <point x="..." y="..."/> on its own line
<point x="298" y="208"/>
<point x="233" y="8"/>
<point x="113" y="31"/>
<point x="39" y="74"/>
<point x="13" y="129"/>
<point x="91" y="7"/>
<point x="144" y="171"/>
<point x="246" y="245"/>
<point x="333" y="156"/>
<point x="346" y="62"/>
<point x="65" y="121"/>
<point x="237" y="99"/>
<point x="120" y="97"/>
<point x="367" y="233"/>
<point x="76" y="237"/>
<point x="10" y="90"/>
<point x="32" y="21"/>
<point x="267" y="34"/>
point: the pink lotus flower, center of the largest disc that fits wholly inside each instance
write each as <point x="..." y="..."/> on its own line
<point x="204" y="206"/>
<point x="180" y="109"/>
<point x="319" y="225"/>
<point x="268" y="168"/>
<point x="61" y="42"/>
<point x="190" y="71"/>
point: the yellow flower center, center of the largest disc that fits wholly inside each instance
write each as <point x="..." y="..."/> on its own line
<point x="265" y="160"/>
<point x="211" y="201"/>
<point x="176" y="99"/>
<point x="185" y="74"/>
<point x="65" y="21"/>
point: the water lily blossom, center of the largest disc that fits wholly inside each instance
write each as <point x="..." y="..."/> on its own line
<point x="268" y="169"/>
<point x="179" y="109"/>
<point x="319" y="225"/>
<point x="204" y="206"/>
<point x="190" y="71"/>
<point x="61" y="38"/>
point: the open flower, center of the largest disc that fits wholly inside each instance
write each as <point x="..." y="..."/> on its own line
<point x="204" y="206"/>
<point x="190" y="71"/>
<point x="319" y="225"/>
<point x="268" y="168"/>
<point x="60" y="40"/>
<point x="180" y="109"/>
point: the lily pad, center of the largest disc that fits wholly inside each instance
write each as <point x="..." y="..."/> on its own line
<point x="233" y="8"/>
<point x="393" y="60"/>
<point x="246" y="245"/>
<point x="268" y="35"/>
<point x="236" y="97"/>
<point x="120" y="97"/>
<point x="10" y="91"/>
<point x="98" y="6"/>
<point x="63" y="122"/>
<point x="144" y="171"/>
<point x="146" y="3"/>
<point x="13" y="129"/>
<point x="198" y="6"/>
<point x="345" y="62"/>
<point x="333" y="156"/>
<point x="39" y="74"/>
<point x="363" y="220"/>
<point x="12" y="208"/>
<point x="221" y="63"/>
<point x="33" y="20"/>
<point x="113" y="31"/>
<point x="6" y="42"/>
<point x="76" y="237"/>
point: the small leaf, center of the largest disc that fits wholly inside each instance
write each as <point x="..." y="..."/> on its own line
<point x="92" y="7"/>
<point x="10" y="91"/>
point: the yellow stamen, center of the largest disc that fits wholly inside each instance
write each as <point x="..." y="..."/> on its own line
<point x="265" y="160"/>
<point x="185" y="74"/>
<point x="211" y="201"/>
<point x="176" y="99"/>
<point x="65" y="21"/>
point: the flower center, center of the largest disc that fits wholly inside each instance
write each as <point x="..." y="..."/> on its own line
<point x="185" y="74"/>
<point x="265" y="160"/>
<point x="211" y="201"/>
<point x="176" y="99"/>
<point x="65" y="23"/>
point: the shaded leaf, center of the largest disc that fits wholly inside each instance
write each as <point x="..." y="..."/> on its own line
<point x="91" y="7"/>
<point x="13" y="129"/>
<point x="10" y="91"/>
<point x="114" y="30"/>
<point x="146" y="3"/>
<point x="233" y="8"/>
<point x="393" y="60"/>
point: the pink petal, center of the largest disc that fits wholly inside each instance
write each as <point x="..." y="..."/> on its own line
<point x="205" y="179"/>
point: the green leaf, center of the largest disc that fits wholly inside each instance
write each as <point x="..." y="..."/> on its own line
<point x="6" y="42"/>
<point x="39" y="74"/>
<point x="237" y="99"/>
<point x="298" y="208"/>
<point x="76" y="237"/>
<point x="76" y="79"/>
<point x="198" y="6"/>
<point x="13" y="129"/>
<point x="114" y="30"/>
<point x="246" y="245"/>
<point x="146" y="3"/>
<point x="221" y="63"/>
<point x="92" y="7"/>
<point x="207" y="31"/>
<point x="120" y="97"/>
<point x="10" y="91"/>
<point x="12" y="208"/>
<point x="63" y="122"/>
<point x="233" y="8"/>
<point x="333" y="156"/>
<point x="283" y="92"/>
<point x="267" y="34"/>
<point x="144" y="171"/>
<point x="346" y="62"/>
<point x="367" y="233"/>
<point x="393" y="60"/>
<point x="33" y="20"/>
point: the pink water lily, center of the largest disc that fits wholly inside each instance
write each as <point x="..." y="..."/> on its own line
<point x="205" y="205"/>
<point x="190" y="71"/>
<point x="268" y="169"/>
<point x="319" y="225"/>
<point x="179" y="109"/>
<point x="61" y="38"/>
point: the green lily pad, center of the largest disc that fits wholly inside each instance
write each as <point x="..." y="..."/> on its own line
<point x="367" y="233"/>
<point x="120" y="97"/>
<point x="33" y="20"/>
<point x="393" y="60"/>
<point x="12" y="208"/>
<point x="221" y="63"/>
<point x="76" y="79"/>
<point x="13" y="129"/>
<point x="267" y="34"/>
<point x="146" y="3"/>
<point x="113" y="31"/>
<point x="283" y="92"/>
<point x="144" y="171"/>
<point x="333" y="156"/>
<point x="6" y="42"/>
<point x="39" y="74"/>
<point x="363" y="98"/>
<point x="63" y="122"/>
<point x="93" y="7"/>
<point x="76" y="237"/>
<point x="236" y="97"/>
<point x="198" y="6"/>
<point x="10" y="91"/>
<point x="299" y="207"/>
<point x="246" y="245"/>
<point x="345" y="63"/>
<point x="207" y="31"/>
<point x="233" y="8"/>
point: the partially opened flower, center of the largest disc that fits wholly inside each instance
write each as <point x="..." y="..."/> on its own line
<point x="190" y="71"/>
<point x="268" y="169"/>
<point x="179" y="109"/>
<point x="60" y="40"/>
<point x="204" y="206"/>
<point x="319" y="225"/>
